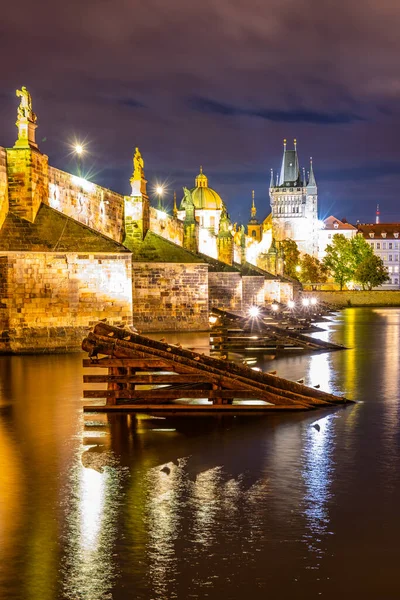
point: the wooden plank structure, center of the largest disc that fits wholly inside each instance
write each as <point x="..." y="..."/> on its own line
<point x="234" y="333"/>
<point x="147" y="375"/>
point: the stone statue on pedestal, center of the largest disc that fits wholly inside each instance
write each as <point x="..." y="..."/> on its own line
<point x="138" y="165"/>
<point x="26" y="120"/>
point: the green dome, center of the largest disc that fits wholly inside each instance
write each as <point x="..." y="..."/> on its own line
<point x="204" y="197"/>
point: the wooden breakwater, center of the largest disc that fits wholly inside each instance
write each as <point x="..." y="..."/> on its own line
<point x="231" y="332"/>
<point x="141" y="374"/>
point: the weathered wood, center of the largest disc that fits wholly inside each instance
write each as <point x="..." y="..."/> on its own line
<point x="166" y="394"/>
<point x="121" y="348"/>
<point x="200" y="372"/>
<point x="195" y="409"/>
<point x="213" y="365"/>
<point x="157" y="379"/>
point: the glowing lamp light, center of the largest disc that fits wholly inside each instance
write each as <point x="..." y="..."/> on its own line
<point x="213" y="320"/>
<point x="159" y="190"/>
<point x="313" y="301"/>
<point x="291" y="304"/>
<point x="298" y="269"/>
<point x="78" y="149"/>
<point x="274" y="306"/>
<point x="306" y="302"/>
<point x="254" y="311"/>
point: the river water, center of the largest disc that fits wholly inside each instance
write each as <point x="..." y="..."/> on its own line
<point x="251" y="507"/>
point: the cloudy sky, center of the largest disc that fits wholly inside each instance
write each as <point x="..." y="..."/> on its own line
<point x="218" y="84"/>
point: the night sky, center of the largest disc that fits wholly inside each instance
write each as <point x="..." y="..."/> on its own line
<point x="218" y="84"/>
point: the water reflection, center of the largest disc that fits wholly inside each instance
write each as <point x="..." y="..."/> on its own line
<point x="89" y="570"/>
<point x="317" y="473"/>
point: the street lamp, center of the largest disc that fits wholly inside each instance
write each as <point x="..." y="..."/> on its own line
<point x="79" y="151"/>
<point x="159" y="192"/>
<point x="254" y="311"/>
<point x="290" y="304"/>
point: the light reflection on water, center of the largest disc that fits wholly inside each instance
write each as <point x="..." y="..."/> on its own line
<point x="113" y="507"/>
<point x="317" y="473"/>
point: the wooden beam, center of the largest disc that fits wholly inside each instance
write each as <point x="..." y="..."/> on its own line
<point x="157" y="379"/>
<point x="138" y="363"/>
<point x="196" y="409"/>
<point x="165" y="394"/>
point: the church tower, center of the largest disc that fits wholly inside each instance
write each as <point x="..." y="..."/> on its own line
<point x="254" y="228"/>
<point x="294" y="204"/>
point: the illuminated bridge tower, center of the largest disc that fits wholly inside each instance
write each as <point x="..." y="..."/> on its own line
<point x="294" y="204"/>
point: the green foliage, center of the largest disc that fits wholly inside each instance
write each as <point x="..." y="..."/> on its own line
<point x="291" y="257"/>
<point x="360" y="250"/>
<point x="312" y="270"/>
<point x="354" y="260"/>
<point x="339" y="259"/>
<point x="371" y="272"/>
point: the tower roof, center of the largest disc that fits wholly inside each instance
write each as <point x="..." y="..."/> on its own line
<point x="290" y="172"/>
<point x="311" y="180"/>
<point x="203" y="196"/>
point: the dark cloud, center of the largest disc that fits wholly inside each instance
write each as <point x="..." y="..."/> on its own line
<point x="296" y="115"/>
<point x="214" y="83"/>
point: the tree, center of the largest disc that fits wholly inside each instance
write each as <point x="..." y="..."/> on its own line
<point x="339" y="259"/>
<point x="360" y="250"/>
<point x="312" y="270"/>
<point x="371" y="272"/>
<point x="291" y="257"/>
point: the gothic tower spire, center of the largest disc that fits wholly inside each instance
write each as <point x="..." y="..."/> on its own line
<point x="253" y="207"/>
<point x="311" y="180"/>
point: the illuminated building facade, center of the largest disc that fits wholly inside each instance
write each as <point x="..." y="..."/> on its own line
<point x="294" y="203"/>
<point x="384" y="239"/>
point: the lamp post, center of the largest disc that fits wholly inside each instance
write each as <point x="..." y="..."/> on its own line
<point x="159" y="192"/>
<point x="79" y="150"/>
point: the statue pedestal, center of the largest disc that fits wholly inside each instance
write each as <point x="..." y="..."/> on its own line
<point x="26" y="134"/>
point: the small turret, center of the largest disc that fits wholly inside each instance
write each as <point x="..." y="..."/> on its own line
<point x="311" y="179"/>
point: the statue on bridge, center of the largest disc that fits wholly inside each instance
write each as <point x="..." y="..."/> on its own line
<point x="25" y="106"/>
<point x="138" y="165"/>
<point x="26" y="120"/>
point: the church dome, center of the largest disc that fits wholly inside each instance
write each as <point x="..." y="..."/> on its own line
<point x="203" y="196"/>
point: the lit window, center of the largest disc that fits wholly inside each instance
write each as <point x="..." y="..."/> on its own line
<point x="384" y="245"/>
<point x="383" y="234"/>
<point x="396" y="234"/>
<point x="371" y="234"/>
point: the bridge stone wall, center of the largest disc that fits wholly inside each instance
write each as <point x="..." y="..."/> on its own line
<point x="90" y="204"/>
<point x="225" y="291"/>
<point x="3" y="186"/>
<point x="170" y="296"/>
<point x="49" y="300"/>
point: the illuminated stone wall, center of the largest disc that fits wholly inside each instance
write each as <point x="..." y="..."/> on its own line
<point x="166" y="226"/>
<point x="170" y="296"/>
<point x="48" y="300"/>
<point x="225" y="291"/>
<point x="90" y="204"/>
<point x="3" y="186"/>
<point x="27" y="172"/>
<point x="253" y="292"/>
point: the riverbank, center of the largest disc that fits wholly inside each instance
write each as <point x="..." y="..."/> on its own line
<point x="357" y="297"/>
